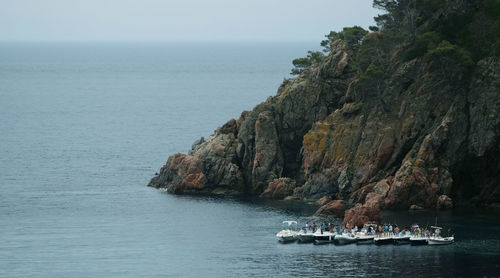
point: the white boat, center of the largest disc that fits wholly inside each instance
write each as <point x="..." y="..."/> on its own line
<point x="437" y="239"/>
<point x="366" y="235"/>
<point x="305" y="236"/>
<point x="288" y="234"/>
<point x="363" y="238"/>
<point x="440" y="240"/>
<point x="383" y="239"/>
<point x="322" y="237"/>
<point x="345" y="238"/>
<point x="400" y="239"/>
<point x="418" y="240"/>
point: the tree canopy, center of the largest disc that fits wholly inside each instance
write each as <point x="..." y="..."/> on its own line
<point x="351" y="35"/>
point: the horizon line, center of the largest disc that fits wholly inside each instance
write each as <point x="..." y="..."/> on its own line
<point x="153" y="41"/>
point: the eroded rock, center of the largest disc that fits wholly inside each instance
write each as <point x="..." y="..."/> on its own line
<point x="361" y="214"/>
<point x="444" y="202"/>
<point x="415" y="207"/>
<point x="279" y="188"/>
<point x="335" y="208"/>
<point x="181" y="173"/>
<point x="324" y="200"/>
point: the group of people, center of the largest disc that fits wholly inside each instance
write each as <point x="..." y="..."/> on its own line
<point x="329" y="227"/>
<point x="421" y="232"/>
<point x="322" y="227"/>
<point x="372" y="229"/>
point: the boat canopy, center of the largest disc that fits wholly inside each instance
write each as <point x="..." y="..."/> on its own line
<point x="290" y="222"/>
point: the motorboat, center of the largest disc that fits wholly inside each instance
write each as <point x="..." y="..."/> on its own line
<point x="289" y="233"/>
<point x="364" y="238"/>
<point x="383" y="239"/>
<point x="401" y="238"/>
<point x="437" y="239"/>
<point x="366" y="235"/>
<point x="440" y="240"/>
<point x="345" y="238"/>
<point x="418" y="236"/>
<point x="305" y="235"/>
<point x="418" y="240"/>
<point x="323" y="237"/>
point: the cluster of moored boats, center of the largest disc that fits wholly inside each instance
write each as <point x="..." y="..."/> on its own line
<point x="368" y="234"/>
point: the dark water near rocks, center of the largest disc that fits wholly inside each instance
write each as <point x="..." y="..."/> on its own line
<point x="84" y="126"/>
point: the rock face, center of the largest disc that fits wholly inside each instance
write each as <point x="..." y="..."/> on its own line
<point x="324" y="200"/>
<point x="334" y="208"/>
<point x="362" y="214"/>
<point x="424" y="134"/>
<point x="279" y="188"/>
<point x="182" y="173"/>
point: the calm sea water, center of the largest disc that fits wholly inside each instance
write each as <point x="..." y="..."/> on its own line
<point x="84" y="126"/>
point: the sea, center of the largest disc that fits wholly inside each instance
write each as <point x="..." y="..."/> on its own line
<point x="85" y="125"/>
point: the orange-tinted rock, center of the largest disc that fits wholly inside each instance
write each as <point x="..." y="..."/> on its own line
<point x="279" y="188"/>
<point x="375" y="198"/>
<point x="362" y="214"/>
<point x="410" y="186"/>
<point x="334" y="208"/>
<point x="444" y="202"/>
<point x="324" y="200"/>
<point x="181" y="173"/>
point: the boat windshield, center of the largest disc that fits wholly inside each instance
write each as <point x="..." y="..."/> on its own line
<point x="290" y="223"/>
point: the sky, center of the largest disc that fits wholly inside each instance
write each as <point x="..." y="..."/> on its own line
<point x="184" y="20"/>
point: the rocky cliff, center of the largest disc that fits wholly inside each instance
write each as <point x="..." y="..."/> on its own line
<point x="372" y="124"/>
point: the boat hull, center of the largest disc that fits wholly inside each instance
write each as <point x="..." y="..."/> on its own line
<point x="401" y="240"/>
<point x="305" y="238"/>
<point x="418" y="241"/>
<point x="383" y="240"/>
<point x="324" y="238"/>
<point x="287" y="239"/>
<point x="364" y="240"/>
<point x="343" y="240"/>
<point x="440" y="241"/>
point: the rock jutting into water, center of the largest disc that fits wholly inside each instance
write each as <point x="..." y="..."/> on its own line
<point x="382" y="123"/>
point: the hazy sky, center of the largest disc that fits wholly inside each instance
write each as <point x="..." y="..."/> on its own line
<point x="179" y="19"/>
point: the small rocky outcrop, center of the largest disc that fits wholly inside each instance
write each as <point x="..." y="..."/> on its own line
<point x="335" y="208"/>
<point x="415" y="207"/>
<point x="361" y="214"/>
<point x="182" y="173"/>
<point x="279" y="188"/>
<point x="444" y="202"/>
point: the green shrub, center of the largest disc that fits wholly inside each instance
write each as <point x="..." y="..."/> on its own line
<point x="300" y="64"/>
<point x="351" y="35"/>
<point x="450" y="52"/>
<point x="422" y="44"/>
<point x="371" y="79"/>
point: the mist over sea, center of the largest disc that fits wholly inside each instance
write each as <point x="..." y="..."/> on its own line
<point x="84" y="126"/>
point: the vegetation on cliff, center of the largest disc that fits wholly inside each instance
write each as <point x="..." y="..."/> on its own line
<point x="407" y="115"/>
